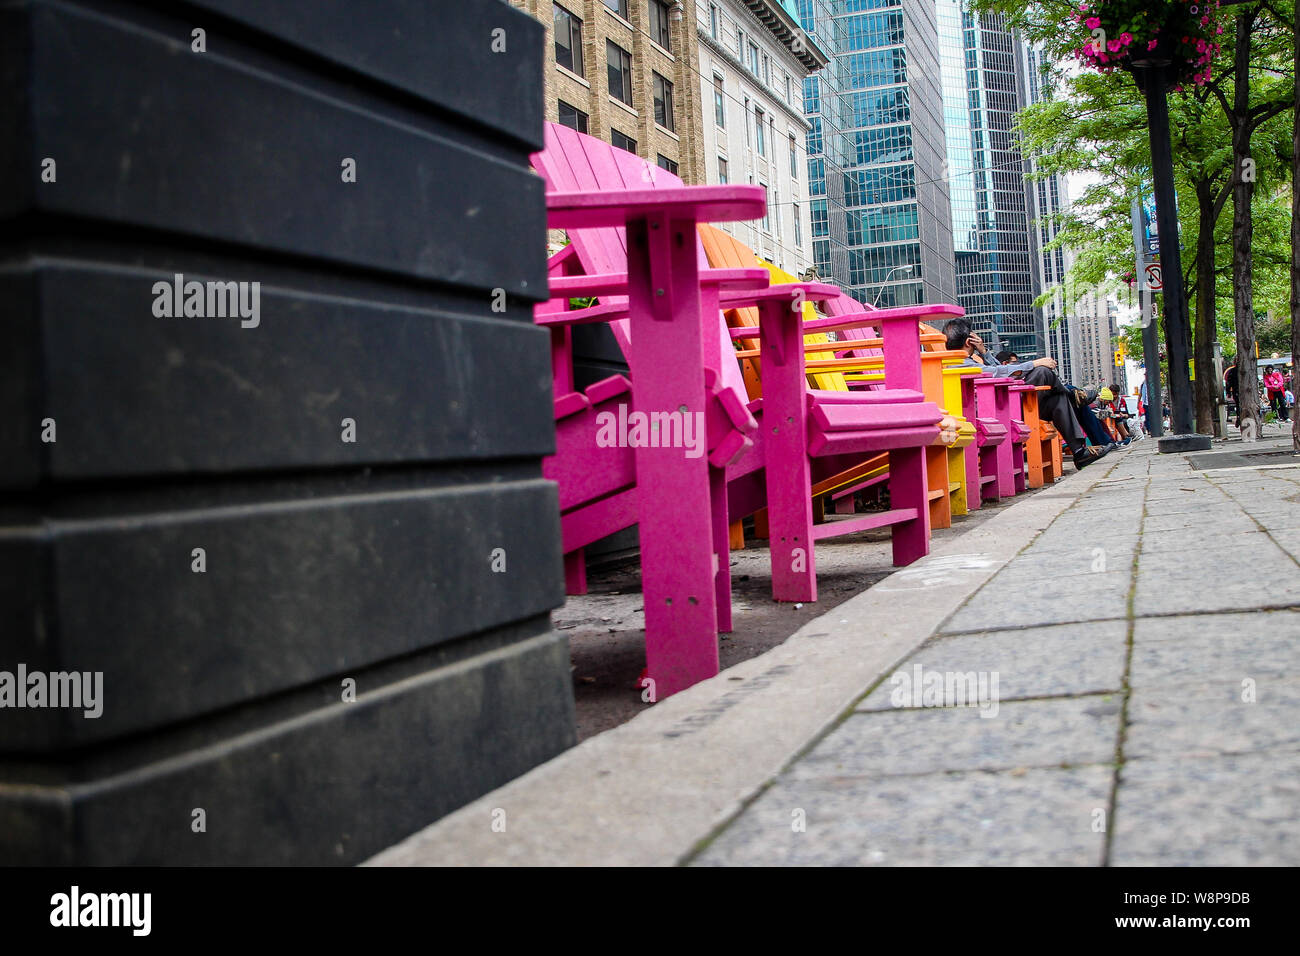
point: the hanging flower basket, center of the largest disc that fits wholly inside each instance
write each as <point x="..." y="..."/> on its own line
<point x="1123" y="34"/>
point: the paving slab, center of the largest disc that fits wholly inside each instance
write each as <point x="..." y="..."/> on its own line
<point x="1195" y="539"/>
<point x="1017" y="818"/>
<point x="1256" y="554"/>
<point x="1223" y="519"/>
<point x="990" y="736"/>
<point x="1181" y="592"/>
<point x="1215" y="717"/>
<point x="1055" y="600"/>
<point x="1203" y="649"/>
<point x="1219" y="811"/>
<point x="1055" y="661"/>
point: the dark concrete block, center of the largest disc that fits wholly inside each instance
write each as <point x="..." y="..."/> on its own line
<point x="333" y="785"/>
<point x="431" y="61"/>
<point x="325" y="560"/>
<point x="234" y="147"/>
<point x="293" y="591"/>
<point x="134" y="394"/>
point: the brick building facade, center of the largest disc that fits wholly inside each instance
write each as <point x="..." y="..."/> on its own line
<point x="626" y="72"/>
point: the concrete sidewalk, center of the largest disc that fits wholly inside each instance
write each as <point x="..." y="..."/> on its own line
<point x="1136" y="635"/>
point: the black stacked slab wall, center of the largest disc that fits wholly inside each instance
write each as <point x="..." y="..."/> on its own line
<point x="289" y="523"/>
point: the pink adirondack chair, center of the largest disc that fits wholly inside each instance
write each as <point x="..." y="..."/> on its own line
<point x="677" y="498"/>
<point x="811" y="433"/>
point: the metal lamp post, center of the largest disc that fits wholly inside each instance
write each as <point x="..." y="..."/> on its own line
<point x="906" y="270"/>
<point x="1152" y="77"/>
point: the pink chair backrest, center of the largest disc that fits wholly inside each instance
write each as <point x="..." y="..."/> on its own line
<point x="574" y="162"/>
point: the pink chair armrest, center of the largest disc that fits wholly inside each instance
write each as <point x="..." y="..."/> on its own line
<point x="617" y="207"/>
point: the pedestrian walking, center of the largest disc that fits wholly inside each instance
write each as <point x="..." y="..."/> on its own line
<point x="1275" y="385"/>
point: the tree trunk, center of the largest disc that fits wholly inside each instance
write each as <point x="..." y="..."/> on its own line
<point x="1242" y="233"/>
<point x="1206" y="393"/>
<point x="1295" y="242"/>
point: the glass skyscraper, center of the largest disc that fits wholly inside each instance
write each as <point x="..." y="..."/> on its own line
<point x="877" y="155"/>
<point x="983" y="78"/>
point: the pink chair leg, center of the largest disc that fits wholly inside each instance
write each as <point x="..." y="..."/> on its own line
<point x="575" y="572"/>
<point x="721" y="546"/>
<point x="1006" y="450"/>
<point x="677" y="545"/>
<point x="908" y="489"/>
<point x="785" y="443"/>
<point x="972" y="453"/>
<point x="972" y="450"/>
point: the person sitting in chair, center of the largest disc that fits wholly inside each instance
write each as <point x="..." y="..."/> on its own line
<point x="1056" y="404"/>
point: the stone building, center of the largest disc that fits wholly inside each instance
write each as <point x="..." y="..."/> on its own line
<point x="754" y="57"/>
<point x="626" y="72"/>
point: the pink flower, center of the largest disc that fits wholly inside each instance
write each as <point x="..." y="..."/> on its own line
<point x="1113" y="46"/>
<point x="1152" y="44"/>
<point x="1126" y="38"/>
<point x="1205" y="21"/>
<point x="1104" y="58"/>
<point x="1083" y="8"/>
<point x="1218" y="29"/>
<point x="1092" y="23"/>
<point x="1200" y="46"/>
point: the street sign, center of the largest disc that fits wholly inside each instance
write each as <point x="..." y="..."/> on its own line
<point x="1154" y="281"/>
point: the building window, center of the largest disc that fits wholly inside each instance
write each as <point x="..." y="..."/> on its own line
<point x="740" y="45"/>
<point x="798" y="229"/>
<point x="713" y="20"/>
<point x="760" y="143"/>
<point x="767" y="208"/>
<point x="767" y="72"/>
<point x="722" y="171"/>
<point x="659" y="31"/>
<point x="746" y="121"/>
<point x="753" y="58"/>
<point x="620" y="72"/>
<point x="794" y="159"/>
<point x="572" y="117"/>
<point x="719" y="102"/>
<point x="568" y="41"/>
<point x="668" y="164"/>
<point x="663" y="90"/>
<point x="621" y="141"/>
<point x="787" y="89"/>
<point x="618" y="6"/>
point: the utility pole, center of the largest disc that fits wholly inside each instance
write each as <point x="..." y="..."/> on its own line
<point x="1152" y="78"/>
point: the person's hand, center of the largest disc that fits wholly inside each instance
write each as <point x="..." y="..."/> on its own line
<point x="1045" y="363"/>
<point x="975" y="342"/>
